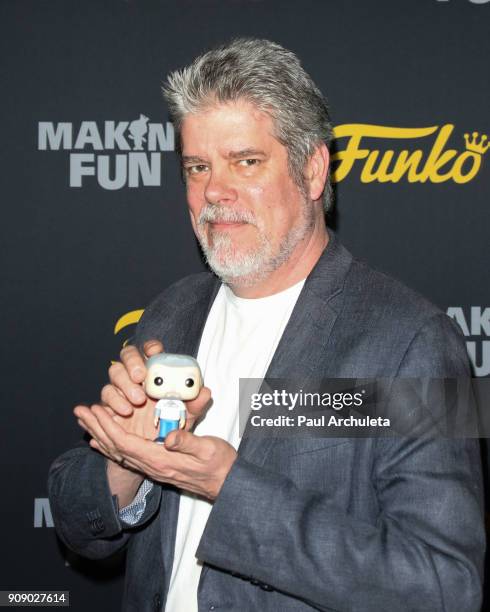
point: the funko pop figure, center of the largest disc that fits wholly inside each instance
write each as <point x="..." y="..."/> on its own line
<point x="171" y="379"/>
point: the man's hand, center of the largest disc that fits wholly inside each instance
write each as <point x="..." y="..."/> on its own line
<point x="193" y="463"/>
<point x="125" y="402"/>
<point x="125" y="391"/>
<point x="125" y="395"/>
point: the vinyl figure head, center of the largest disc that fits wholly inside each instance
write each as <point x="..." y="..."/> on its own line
<point x="173" y="377"/>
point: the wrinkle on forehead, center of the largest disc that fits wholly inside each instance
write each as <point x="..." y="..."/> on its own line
<point x="234" y="115"/>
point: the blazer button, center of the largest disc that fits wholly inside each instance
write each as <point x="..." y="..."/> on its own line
<point x="97" y="526"/>
<point x="157" y="602"/>
<point x="95" y="521"/>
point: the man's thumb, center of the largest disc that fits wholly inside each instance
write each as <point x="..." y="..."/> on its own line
<point x="173" y="440"/>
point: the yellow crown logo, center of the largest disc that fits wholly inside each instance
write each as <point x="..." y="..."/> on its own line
<point x="473" y="145"/>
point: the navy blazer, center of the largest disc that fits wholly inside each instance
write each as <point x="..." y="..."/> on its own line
<point x="318" y="523"/>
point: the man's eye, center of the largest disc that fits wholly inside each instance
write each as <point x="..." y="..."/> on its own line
<point x="249" y="162"/>
<point x="197" y="169"/>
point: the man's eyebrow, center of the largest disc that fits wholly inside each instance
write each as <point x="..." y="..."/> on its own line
<point x="250" y="152"/>
<point x="192" y="159"/>
<point x="245" y="153"/>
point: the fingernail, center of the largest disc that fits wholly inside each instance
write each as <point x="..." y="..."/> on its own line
<point x="173" y="442"/>
<point x="151" y="346"/>
<point x="138" y="372"/>
<point x="138" y="395"/>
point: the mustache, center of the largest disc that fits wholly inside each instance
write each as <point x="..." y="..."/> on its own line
<point x="215" y="213"/>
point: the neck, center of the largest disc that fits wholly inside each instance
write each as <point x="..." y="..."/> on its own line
<point x="292" y="271"/>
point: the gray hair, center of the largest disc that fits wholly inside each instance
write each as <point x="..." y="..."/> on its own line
<point x="270" y="77"/>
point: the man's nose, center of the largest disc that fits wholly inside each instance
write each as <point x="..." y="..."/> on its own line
<point x="219" y="188"/>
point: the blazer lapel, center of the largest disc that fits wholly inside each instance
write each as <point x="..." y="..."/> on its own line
<point x="194" y="318"/>
<point x="303" y="346"/>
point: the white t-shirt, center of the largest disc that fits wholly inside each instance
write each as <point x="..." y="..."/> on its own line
<point x="239" y="340"/>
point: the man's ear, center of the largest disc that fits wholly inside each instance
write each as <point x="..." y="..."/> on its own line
<point x="316" y="171"/>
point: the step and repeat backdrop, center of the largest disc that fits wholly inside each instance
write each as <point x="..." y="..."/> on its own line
<point x="94" y="220"/>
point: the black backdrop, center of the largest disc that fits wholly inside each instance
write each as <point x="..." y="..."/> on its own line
<point x="77" y="259"/>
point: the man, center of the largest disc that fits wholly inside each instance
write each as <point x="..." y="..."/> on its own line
<point x="212" y="522"/>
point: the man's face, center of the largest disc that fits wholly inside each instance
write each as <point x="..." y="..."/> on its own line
<point x="246" y="210"/>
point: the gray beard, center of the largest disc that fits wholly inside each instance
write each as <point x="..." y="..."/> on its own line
<point x="248" y="268"/>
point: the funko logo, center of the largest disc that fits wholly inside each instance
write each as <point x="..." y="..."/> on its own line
<point x="476" y="145"/>
<point x="358" y="146"/>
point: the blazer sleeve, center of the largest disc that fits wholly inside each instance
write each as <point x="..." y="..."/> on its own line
<point x="424" y="552"/>
<point x="85" y="514"/>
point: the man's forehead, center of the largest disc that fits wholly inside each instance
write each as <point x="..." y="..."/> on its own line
<point x="236" y="128"/>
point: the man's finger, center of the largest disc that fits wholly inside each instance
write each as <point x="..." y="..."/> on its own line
<point x="126" y="443"/>
<point x="186" y="442"/>
<point x="119" y="376"/>
<point x="117" y="401"/>
<point x="110" y="411"/>
<point x="139" y="453"/>
<point x="88" y="421"/>
<point x="133" y="363"/>
<point x="152" y="347"/>
<point x="197" y="408"/>
<point x="112" y="430"/>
